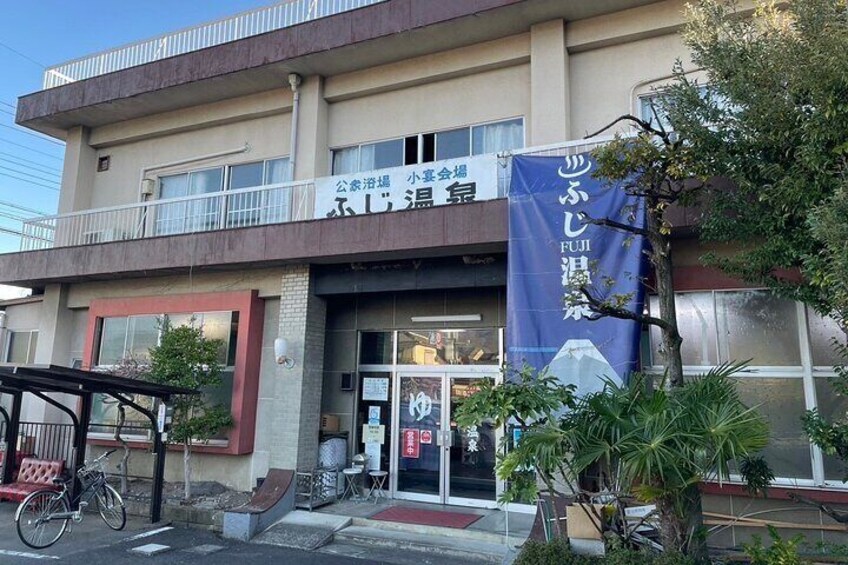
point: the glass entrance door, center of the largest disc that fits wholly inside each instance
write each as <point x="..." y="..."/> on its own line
<point x="436" y="460"/>
<point x="471" y="453"/>
<point x="420" y="433"/>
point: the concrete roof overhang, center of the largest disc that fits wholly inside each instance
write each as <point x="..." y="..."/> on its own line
<point x="479" y="227"/>
<point x="382" y="33"/>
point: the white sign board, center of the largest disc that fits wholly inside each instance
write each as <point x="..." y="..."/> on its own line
<point x="375" y="389"/>
<point x="440" y="183"/>
<point x="374" y="452"/>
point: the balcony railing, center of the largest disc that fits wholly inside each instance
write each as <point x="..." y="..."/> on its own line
<point x="246" y="24"/>
<point x="249" y="207"/>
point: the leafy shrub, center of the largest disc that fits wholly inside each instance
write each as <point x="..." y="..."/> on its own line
<point x="555" y="552"/>
<point x="781" y="552"/>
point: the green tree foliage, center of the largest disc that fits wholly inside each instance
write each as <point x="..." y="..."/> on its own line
<point x="773" y="123"/>
<point x="771" y="118"/>
<point x="185" y="358"/>
<point x="652" y="445"/>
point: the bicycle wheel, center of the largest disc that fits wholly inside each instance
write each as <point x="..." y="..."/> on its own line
<point x="111" y="507"/>
<point x="34" y="522"/>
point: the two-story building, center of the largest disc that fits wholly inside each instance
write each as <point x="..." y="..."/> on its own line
<point x="337" y="180"/>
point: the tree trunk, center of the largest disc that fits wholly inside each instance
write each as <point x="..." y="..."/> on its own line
<point x="681" y="525"/>
<point x="664" y="280"/>
<point x="187" y="470"/>
<point x="124" y="464"/>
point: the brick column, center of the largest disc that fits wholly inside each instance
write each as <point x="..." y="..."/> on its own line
<point x="297" y="404"/>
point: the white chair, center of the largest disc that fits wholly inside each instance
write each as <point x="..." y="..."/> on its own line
<point x="378" y="485"/>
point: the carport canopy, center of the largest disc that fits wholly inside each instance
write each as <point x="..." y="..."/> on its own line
<point x="40" y="380"/>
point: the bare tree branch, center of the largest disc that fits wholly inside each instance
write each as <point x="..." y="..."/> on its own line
<point x="606" y="222"/>
<point x="602" y="308"/>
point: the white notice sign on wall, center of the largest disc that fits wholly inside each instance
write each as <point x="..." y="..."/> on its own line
<point x="375" y="388"/>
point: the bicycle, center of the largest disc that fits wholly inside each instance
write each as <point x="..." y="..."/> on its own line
<point x="42" y="517"/>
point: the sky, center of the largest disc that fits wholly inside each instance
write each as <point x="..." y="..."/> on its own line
<point x="42" y="33"/>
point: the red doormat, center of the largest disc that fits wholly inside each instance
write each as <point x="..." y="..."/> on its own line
<point x="426" y="517"/>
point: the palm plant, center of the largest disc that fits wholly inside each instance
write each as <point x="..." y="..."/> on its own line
<point x="655" y="445"/>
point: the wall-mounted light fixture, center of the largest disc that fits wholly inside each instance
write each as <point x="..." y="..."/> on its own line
<point x="447" y="319"/>
<point x="281" y="352"/>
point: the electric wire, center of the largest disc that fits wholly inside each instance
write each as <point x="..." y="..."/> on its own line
<point x="32" y="182"/>
<point x="23" y="55"/>
<point x="12" y="106"/>
<point x="21" y="208"/>
<point x="30" y="161"/>
<point x="30" y="149"/>
<point x="35" y="167"/>
<point x="17" y="172"/>
<point x="32" y="134"/>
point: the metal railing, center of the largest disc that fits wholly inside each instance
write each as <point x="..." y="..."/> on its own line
<point x="46" y="441"/>
<point x="239" y="26"/>
<point x="249" y="207"/>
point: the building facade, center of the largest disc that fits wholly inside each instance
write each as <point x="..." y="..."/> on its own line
<point x="340" y="183"/>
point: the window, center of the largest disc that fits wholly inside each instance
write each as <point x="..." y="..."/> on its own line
<point x="651" y="106"/>
<point x="239" y="210"/>
<point x="425" y="148"/>
<point x="131" y="337"/>
<point x="20" y="347"/>
<point x="790" y="367"/>
<point x="448" y="347"/>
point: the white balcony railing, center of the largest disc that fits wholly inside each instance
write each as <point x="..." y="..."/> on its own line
<point x="239" y="26"/>
<point x="249" y="207"/>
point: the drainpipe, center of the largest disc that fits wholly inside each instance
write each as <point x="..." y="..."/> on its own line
<point x="294" y="81"/>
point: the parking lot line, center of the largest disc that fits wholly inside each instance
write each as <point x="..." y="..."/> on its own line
<point x="27" y="555"/>
<point x="148" y="534"/>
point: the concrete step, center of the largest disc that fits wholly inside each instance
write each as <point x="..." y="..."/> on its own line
<point x="467" y="549"/>
<point x="493" y="538"/>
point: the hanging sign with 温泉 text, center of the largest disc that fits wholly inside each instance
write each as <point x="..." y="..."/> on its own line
<point x="440" y="183"/>
<point x="553" y="251"/>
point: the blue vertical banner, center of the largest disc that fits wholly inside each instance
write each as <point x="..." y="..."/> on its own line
<point x="551" y="248"/>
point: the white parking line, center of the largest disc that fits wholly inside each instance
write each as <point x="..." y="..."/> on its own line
<point x="148" y="534"/>
<point x="27" y="554"/>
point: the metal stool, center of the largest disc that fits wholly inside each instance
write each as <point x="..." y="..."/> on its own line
<point x="351" y="475"/>
<point x="378" y="482"/>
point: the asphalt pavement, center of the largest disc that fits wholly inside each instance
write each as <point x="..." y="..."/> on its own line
<point x="92" y="543"/>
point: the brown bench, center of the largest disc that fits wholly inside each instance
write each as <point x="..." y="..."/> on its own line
<point x="34" y="474"/>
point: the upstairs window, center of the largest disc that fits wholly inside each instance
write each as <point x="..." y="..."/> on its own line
<point x="428" y="147"/>
<point x="20" y="347"/>
<point x="239" y="210"/>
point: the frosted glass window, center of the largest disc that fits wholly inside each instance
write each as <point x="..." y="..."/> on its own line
<point x="277" y="171"/>
<point x="696" y="323"/>
<point x="21" y="347"/>
<point x="822" y="333"/>
<point x="346" y="161"/>
<point x="832" y="407"/>
<point x="757" y="325"/>
<point x="781" y="402"/>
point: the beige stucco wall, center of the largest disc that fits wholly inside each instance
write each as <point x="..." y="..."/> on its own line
<point x="463" y="101"/>
<point x="266" y="281"/>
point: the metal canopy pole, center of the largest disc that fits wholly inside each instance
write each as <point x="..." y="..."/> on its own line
<point x="81" y="439"/>
<point x="158" y="452"/>
<point x="12" y="427"/>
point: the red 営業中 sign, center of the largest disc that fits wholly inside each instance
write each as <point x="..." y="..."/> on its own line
<point x="410" y="447"/>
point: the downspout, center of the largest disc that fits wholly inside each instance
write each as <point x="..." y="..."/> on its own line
<point x="294" y="81"/>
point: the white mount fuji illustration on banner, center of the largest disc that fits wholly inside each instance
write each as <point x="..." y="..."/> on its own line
<point x="579" y="363"/>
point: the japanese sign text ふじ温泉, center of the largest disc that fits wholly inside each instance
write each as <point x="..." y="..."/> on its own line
<point x="441" y="183"/>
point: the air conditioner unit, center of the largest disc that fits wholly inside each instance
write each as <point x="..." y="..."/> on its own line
<point x="101" y="236"/>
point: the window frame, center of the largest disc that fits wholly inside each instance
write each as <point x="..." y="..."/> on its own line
<point x="248" y="352"/>
<point x="420" y="136"/>
<point x="31" y="350"/>
<point x="806" y="372"/>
